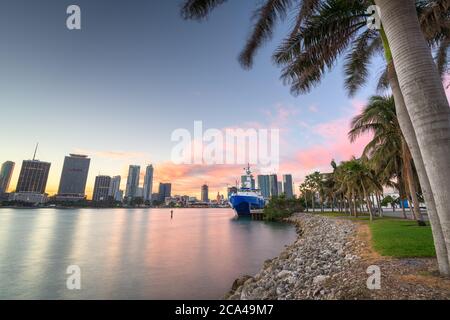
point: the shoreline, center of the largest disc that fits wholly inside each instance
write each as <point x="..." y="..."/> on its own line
<point x="329" y="260"/>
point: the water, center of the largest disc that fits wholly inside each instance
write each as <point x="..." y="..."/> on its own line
<point x="131" y="253"/>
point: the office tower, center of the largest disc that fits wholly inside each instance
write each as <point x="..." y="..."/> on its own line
<point x="132" y="181"/>
<point x="204" y="193"/>
<point x="280" y="188"/>
<point x="148" y="183"/>
<point x="114" y="189"/>
<point x="119" y="196"/>
<point x="33" y="176"/>
<point x="273" y="185"/>
<point x="5" y="175"/>
<point x="73" y="178"/>
<point x="101" y="188"/>
<point x="288" y="186"/>
<point x="165" y="190"/>
<point x="139" y="192"/>
<point x="252" y="182"/>
<point x="264" y="185"/>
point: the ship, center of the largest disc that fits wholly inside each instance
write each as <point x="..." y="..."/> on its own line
<point x="246" y="199"/>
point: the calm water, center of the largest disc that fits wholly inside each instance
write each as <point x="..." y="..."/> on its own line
<point x="131" y="254"/>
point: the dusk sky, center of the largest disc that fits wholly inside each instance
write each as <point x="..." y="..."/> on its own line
<point x="118" y="88"/>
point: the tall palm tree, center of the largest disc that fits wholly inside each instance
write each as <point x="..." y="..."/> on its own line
<point x="357" y="180"/>
<point x="425" y="98"/>
<point x="387" y="150"/>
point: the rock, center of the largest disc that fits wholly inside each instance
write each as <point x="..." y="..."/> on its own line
<point x="283" y="274"/>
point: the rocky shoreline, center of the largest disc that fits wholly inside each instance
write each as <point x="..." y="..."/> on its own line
<point x="329" y="261"/>
<point x="307" y="269"/>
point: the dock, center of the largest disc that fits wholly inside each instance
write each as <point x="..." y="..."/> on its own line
<point x="257" y="214"/>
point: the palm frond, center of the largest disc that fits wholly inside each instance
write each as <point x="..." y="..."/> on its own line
<point x="199" y="9"/>
<point x="266" y="16"/>
<point x="357" y="61"/>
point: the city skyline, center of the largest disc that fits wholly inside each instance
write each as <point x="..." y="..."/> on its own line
<point x="139" y="182"/>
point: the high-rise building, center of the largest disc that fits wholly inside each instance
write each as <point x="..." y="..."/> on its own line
<point x="139" y="192"/>
<point x="5" y="175"/>
<point x="280" y="188"/>
<point x="288" y="186"/>
<point x="101" y="188"/>
<point x="33" y="176"/>
<point x="264" y="185"/>
<point x="114" y="189"/>
<point x="132" y="181"/>
<point x="74" y="175"/>
<point x="165" y="190"/>
<point x="148" y="183"/>
<point x="273" y="185"/>
<point x="205" y="193"/>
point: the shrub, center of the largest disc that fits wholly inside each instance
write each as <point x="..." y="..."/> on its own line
<point x="281" y="207"/>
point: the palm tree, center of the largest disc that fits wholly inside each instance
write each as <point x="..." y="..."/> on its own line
<point x="387" y="151"/>
<point x="424" y="97"/>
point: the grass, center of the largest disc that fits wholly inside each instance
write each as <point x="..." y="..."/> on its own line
<point x="396" y="238"/>
<point x="401" y="238"/>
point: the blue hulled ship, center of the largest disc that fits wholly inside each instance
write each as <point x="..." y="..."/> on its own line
<point x="247" y="198"/>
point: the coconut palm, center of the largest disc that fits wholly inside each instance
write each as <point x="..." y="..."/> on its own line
<point x="387" y="150"/>
<point x="425" y="99"/>
<point x="358" y="181"/>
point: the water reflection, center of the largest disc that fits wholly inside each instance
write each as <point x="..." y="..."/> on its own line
<point x="131" y="253"/>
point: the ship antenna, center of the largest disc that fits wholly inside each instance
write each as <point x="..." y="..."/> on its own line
<point x="35" y="150"/>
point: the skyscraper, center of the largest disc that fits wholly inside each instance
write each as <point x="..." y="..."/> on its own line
<point x="165" y="190"/>
<point x="114" y="189"/>
<point x="148" y="183"/>
<point x="280" y="188"/>
<point x="101" y="188"/>
<point x="288" y="186"/>
<point x="74" y="175"/>
<point x="264" y="185"/>
<point x="205" y="193"/>
<point x="5" y="175"/>
<point x="33" y="176"/>
<point x="132" y="181"/>
<point x="273" y="184"/>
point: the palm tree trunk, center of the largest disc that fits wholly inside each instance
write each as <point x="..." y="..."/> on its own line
<point x="442" y="253"/>
<point x="313" y="202"/>
<point x="380" y="209"/>
<point x="355" y="205"/>
<point x="367" y="202"/>
<point x="415" y="208"/>
<point x="424" y="97"/>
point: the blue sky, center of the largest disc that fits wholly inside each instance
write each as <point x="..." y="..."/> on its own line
<point x="134" y="73"/>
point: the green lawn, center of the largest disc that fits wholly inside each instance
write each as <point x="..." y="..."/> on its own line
<point x="396" y="237"/>
<point x="401" y="238"/>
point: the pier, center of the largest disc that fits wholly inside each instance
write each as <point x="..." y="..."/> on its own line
<point x="257" y="214"/>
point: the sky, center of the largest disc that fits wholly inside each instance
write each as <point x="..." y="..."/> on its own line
<point x="136" y="71"/>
